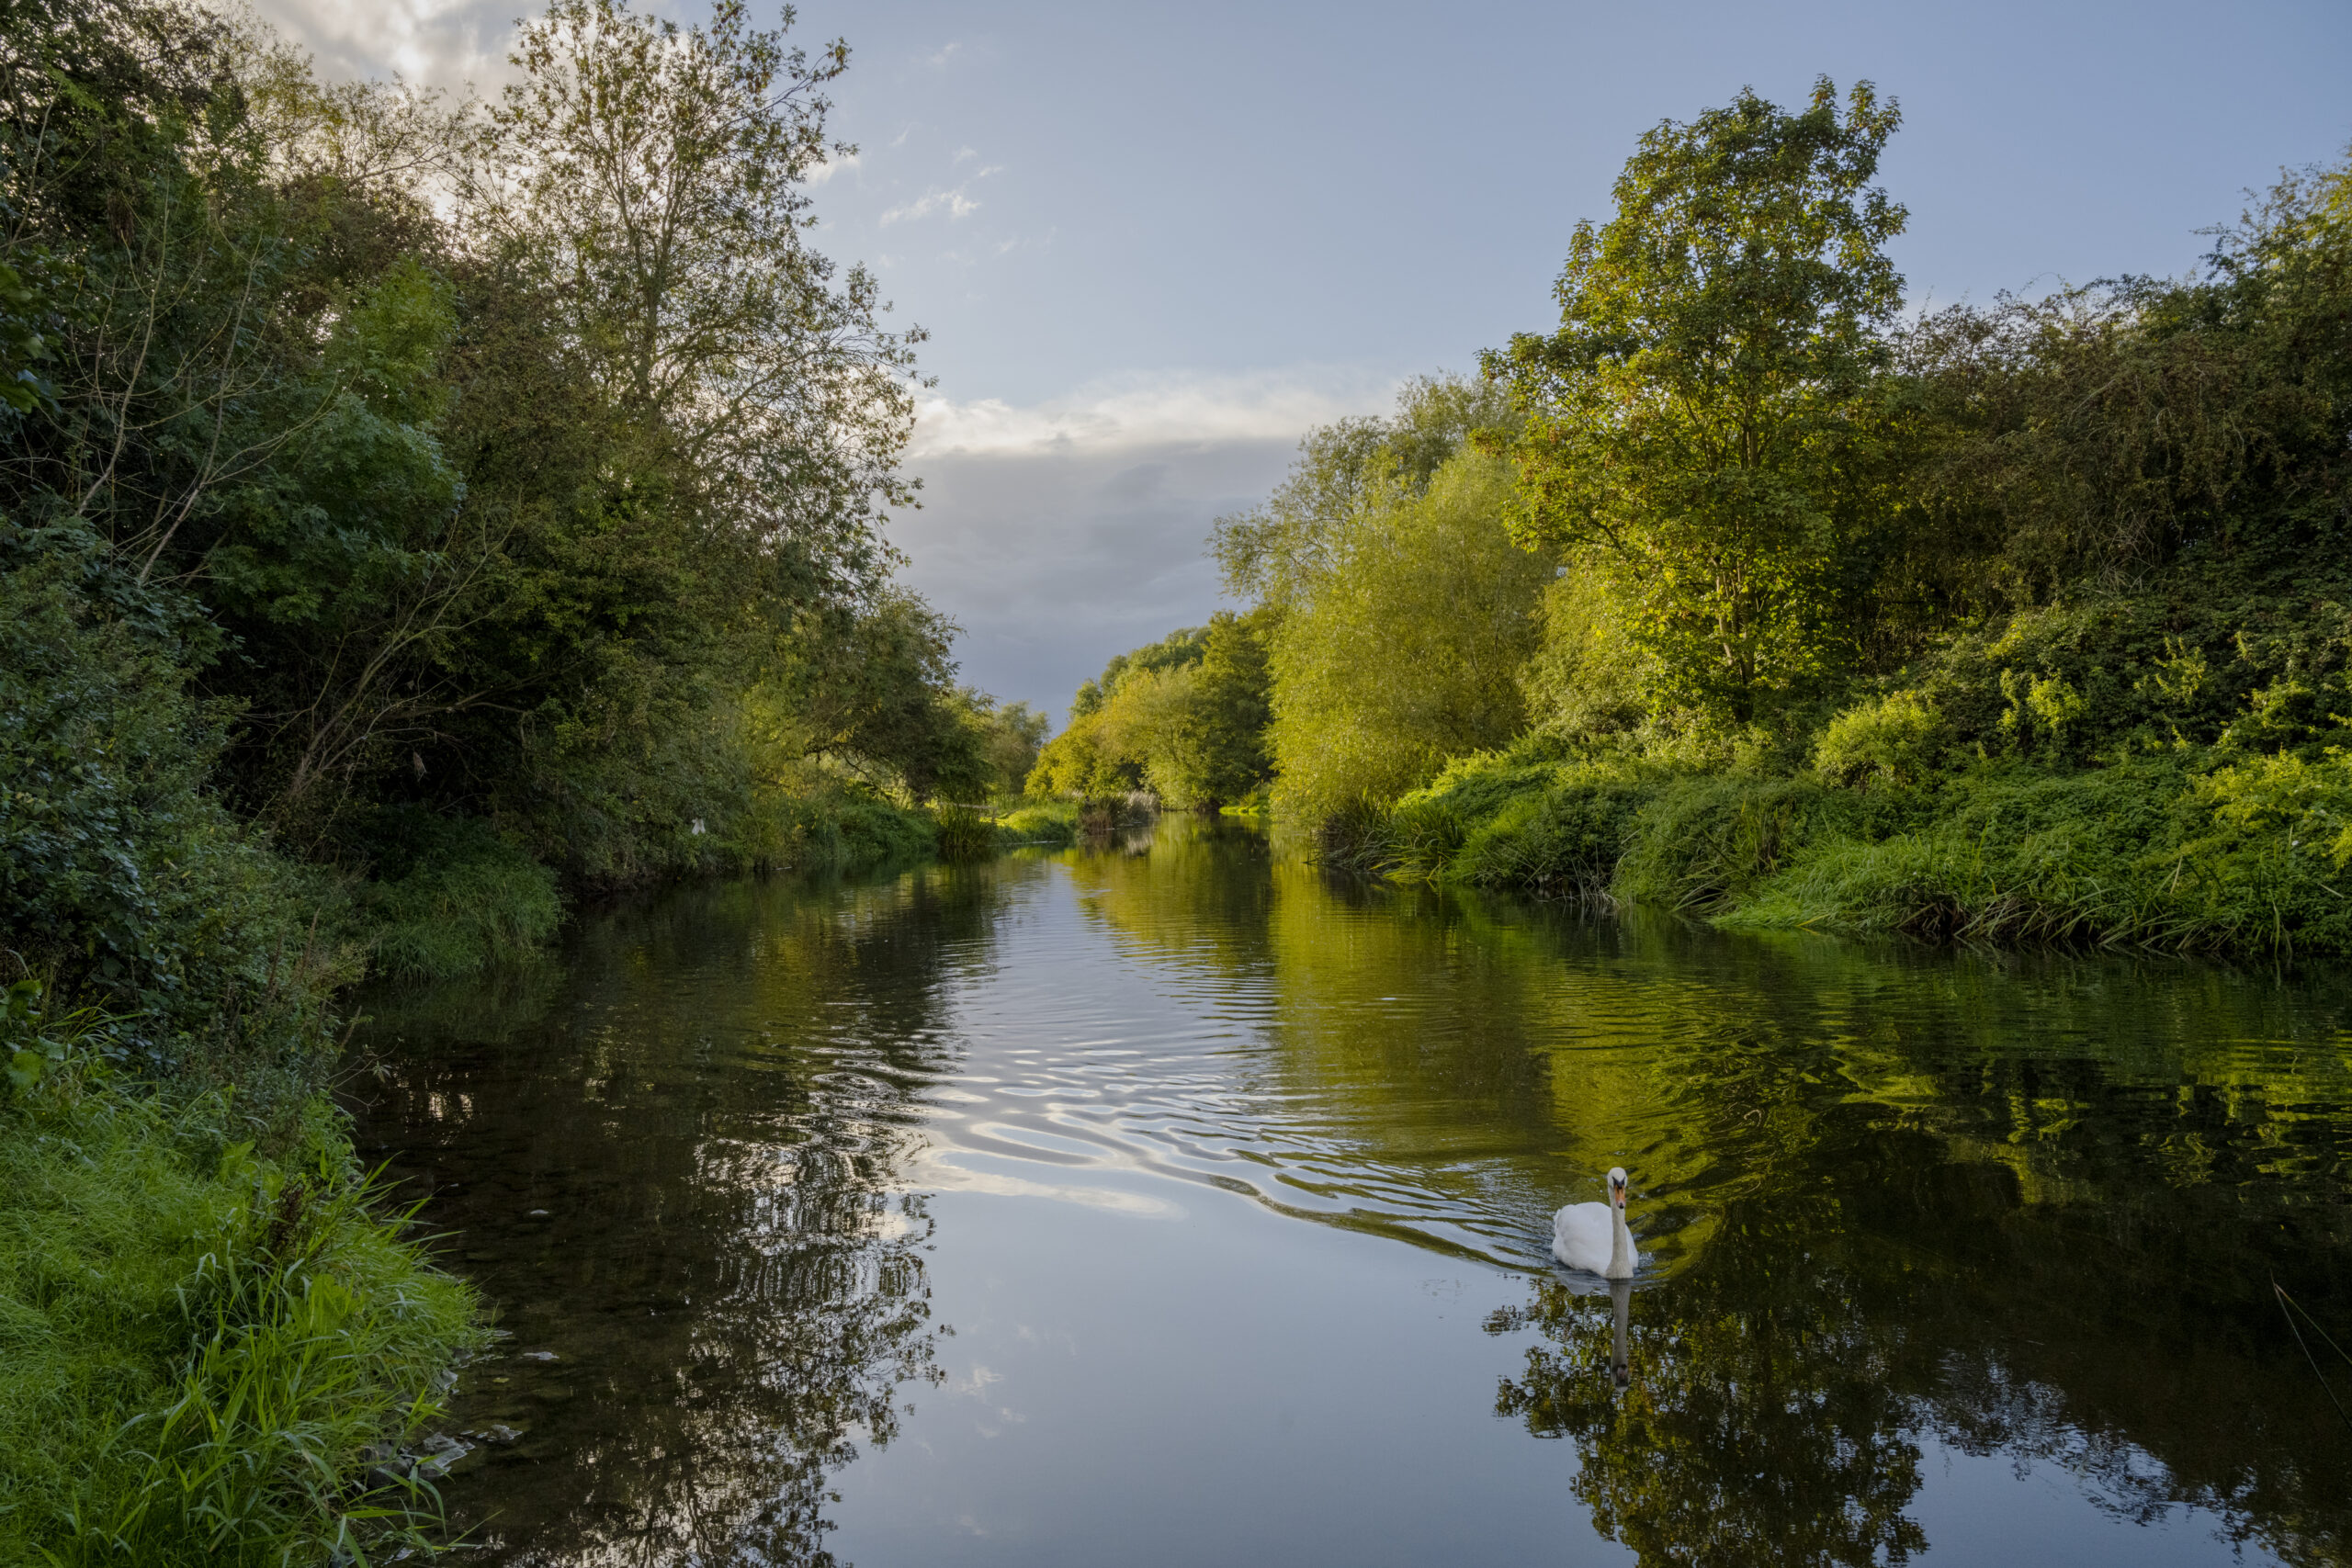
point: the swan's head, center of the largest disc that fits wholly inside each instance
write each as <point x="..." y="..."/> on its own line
<point x="1617" y="1185"/>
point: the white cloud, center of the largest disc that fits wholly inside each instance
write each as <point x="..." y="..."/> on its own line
<point x="845" y="163"/>
<point x="1061" y="532"/>
<point x="956" y="203"/>
<point x="439" y="43"/>
<point x="962" y="153"/>
<point x="1143" y="409"/>
<point x="943" y="56"/>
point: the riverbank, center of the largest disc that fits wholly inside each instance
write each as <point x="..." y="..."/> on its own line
<point x="217" y="1343"/>
<point x="2165" y="769"/>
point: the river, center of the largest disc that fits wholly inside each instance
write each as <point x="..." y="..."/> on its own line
<point x="1173" y="1203"/>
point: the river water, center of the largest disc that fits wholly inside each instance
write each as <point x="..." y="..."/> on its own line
<point x="1171" y="1202"/>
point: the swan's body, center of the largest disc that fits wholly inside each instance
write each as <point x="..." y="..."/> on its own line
<point x="1593" y="1237"/>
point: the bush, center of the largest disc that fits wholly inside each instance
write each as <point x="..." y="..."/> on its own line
<point x="1893" y="740"/>
<point x="2148" y="852"/>
<point x="121" y="879"/>
<point x="1517" y="819"/>
<point x="964" y="834"/>
<point x="1038" y="823"/>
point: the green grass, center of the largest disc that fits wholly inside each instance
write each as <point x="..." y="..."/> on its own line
<point x="2183" y="847"/>
<point x="1027" y="821"/>
<point x="199" y="1342"/>
<point x="464" y="902"/>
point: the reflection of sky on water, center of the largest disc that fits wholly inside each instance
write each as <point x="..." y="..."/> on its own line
<point x="975" y="1197"/>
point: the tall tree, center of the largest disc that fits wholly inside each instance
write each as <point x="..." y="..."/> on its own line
<point x="653" y="178"/>
<point x="1705" y="421"/>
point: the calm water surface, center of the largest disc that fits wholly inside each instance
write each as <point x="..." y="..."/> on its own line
<point x="1173" y="1204"/>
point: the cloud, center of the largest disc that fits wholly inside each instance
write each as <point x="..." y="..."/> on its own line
<point x="957" y="204"/>
<point x="1143" y="408"/>
<point x="1061" y="532"/>
<point x="962" y="153"/>
<point x="846" y="163"/>
<point x="943" y="56"/>
<point x="439" y="43"/>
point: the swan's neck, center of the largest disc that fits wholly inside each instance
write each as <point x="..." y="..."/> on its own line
<point x="1621" y="1244"/>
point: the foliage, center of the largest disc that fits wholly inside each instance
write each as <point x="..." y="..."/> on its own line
<point x="453" y="897"/>
<point x="507" y="449"/>
<point x="1184" y="717"/>
<point x="1180" y="649"/>
<point x="122" y="879"/>
<point x="2019" y="622"/>
<point x="1280" y="553"/>
<point x="1038" y="823"/>
<point x="1012" y="735"/>
<point x="869" y="687"/>
<point x="1408" y="651"/>
<point x="1706" y="425"/>
<point x="1893" y="740"/>
<point x="964" y="834"/>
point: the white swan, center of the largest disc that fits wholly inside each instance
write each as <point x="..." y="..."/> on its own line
<point x="1593" y="1237"/>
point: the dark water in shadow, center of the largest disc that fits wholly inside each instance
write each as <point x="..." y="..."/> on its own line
<point x="1176" y="1203"/>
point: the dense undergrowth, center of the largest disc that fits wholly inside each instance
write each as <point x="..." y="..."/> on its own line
<point x="2140" y="769"/>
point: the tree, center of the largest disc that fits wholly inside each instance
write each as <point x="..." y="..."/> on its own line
<point x="1215" y="752"/>
<point x="871" y="689"/>
<point x="1014" y="734"/>
<point x="652" y="179"/>
<point x="1706" y="424"/>
<point x="1408" y="651"/>
<point x="1275" y="554"/>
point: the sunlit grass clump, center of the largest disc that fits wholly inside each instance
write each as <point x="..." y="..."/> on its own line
<point x="200" y="1344"/>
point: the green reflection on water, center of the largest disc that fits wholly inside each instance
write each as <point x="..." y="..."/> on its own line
<point x="2018" y="1205"/>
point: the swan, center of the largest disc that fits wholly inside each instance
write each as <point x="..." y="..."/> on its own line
<point x="1593" y="1237"/>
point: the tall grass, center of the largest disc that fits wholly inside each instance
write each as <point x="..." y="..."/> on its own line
<point x="200" y="1341"/>
<point x="469" y="901"/>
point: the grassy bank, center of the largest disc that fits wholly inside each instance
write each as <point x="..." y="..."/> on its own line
<point x="206" y="1342"/>
<point x="206" y="1319"/>
<point x="2117" y="771"/>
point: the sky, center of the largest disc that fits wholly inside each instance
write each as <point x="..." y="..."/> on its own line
<point x="1154" y="246"/>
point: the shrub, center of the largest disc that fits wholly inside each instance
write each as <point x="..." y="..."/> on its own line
<point x="1891" y="739"/>
<point x="1038" y="823"/>
<point x="1701" y="844"/>
<point x="964" y="834"/>
<point x="121" y="879"/>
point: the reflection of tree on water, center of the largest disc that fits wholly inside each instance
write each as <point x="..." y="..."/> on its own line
<point x="1759" y="1416"/>
<point x="1782" y="1383"/>
<point x="2022" y="1205"/>
<point x="712" y="1107"/>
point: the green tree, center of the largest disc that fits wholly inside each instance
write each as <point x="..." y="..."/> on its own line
<point x="1013" y="735"/>
<point x="1706" y="425"/>
<point x="1215" y="751"/>
<point x="871" y="689"/>
<point x="1179" y="649"/>
<point x="1408" y="653"/>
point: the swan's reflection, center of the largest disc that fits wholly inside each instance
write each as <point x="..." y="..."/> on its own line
<point x="1621" y="1297"/>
